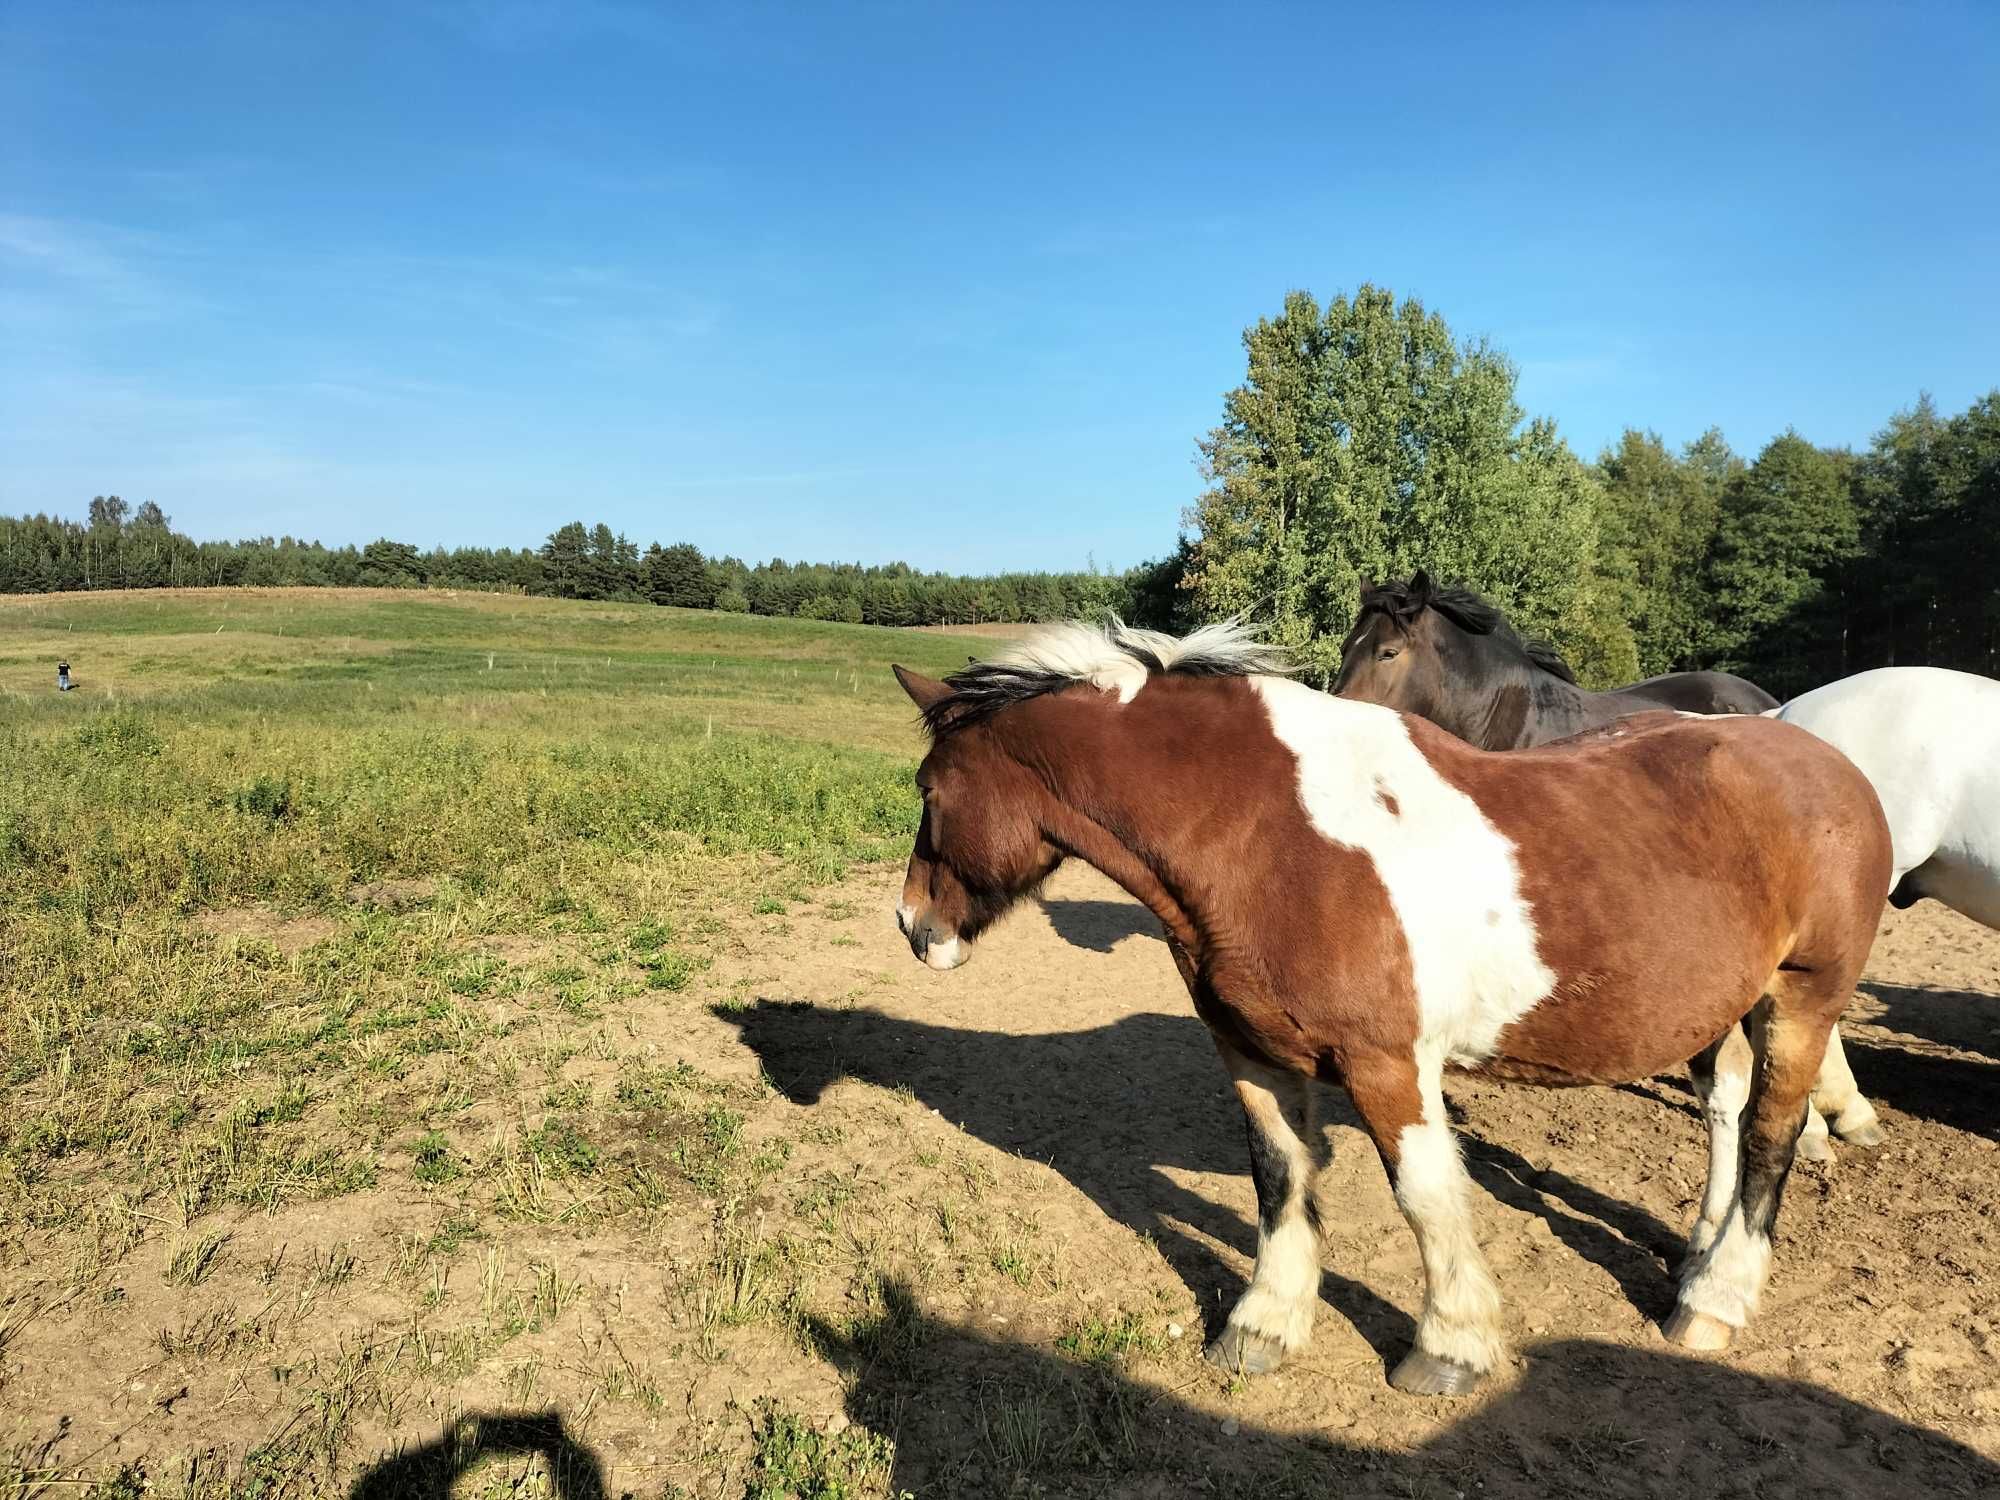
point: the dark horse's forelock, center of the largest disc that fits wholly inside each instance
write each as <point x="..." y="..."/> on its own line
<point x="1109" y="655"/>
<point x="1470" y="612"/>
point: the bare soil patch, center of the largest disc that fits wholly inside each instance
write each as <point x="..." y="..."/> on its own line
<point x="289" y="935"/>
<point x="393" y="895"/>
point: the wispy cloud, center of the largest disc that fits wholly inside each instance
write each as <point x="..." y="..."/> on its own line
<point x="90" y="269"/>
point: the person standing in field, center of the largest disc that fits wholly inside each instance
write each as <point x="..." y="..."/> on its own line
<point x="62" y="676"/>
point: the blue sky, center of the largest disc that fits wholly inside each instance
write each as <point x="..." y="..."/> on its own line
<point x="957" y="284"/>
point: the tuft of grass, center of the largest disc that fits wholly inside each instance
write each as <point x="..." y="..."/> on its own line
<point x="1106" y="1341"/>
<point x="434" y="1160"/>
<point x="190" y="1257"/>
<point x="794" y="1460"/>
<point x="562" y="1149"/>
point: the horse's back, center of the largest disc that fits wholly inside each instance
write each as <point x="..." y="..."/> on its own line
<point x="1702" y="693"/>
<point x="1751" y="809"/>
<point x="1928" y="739"/>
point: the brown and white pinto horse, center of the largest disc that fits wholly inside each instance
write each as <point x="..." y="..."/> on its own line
<point x="1356" y="896"/>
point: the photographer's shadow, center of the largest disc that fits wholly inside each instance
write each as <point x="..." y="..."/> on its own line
<point x="428" y="1473"/>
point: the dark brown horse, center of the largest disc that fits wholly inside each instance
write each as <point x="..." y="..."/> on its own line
<point x="1353" y="895"/>
<point x="1448" y="655"/>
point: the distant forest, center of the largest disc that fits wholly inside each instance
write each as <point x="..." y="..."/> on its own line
<point x="117" y="547"/>
<point x="1365" y="442"/>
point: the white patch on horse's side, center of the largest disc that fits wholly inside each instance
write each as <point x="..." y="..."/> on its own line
<point x="1450" y="873"/>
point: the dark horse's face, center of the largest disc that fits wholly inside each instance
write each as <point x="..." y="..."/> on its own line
<point x="1392" y="661"/>
<point x="980" y="846"/>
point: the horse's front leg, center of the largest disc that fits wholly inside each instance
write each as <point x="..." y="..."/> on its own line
<point x="1273" y="1318"/>
<point x="1400" y="1098"/>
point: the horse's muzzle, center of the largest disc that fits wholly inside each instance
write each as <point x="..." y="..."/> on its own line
<point x="938" y="949"/>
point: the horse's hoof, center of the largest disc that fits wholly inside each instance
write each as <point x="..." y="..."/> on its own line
<point x="1816" y="1148"/>
<point x="1870" y="1134"/>
<point x="1422" y="1374"/>
<point x="1697" y="1330"/>
<point x="1241" y="1352"/>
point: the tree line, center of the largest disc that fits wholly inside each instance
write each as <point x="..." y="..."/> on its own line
<point x="118" y="547"/>
<point x="1365" y="441"/>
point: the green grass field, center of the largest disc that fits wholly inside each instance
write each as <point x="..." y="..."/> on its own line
<point x="323" y="903"/>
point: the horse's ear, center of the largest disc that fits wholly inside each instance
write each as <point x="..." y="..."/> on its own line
<point x="923" y="691"/>
<point x="1420" y="583"/>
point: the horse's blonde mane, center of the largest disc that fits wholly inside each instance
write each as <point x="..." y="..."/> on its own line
<point x="1114" y="656"/>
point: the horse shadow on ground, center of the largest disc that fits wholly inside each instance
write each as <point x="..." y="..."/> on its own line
<point x="1960" y="1093"/>
<point x="1966" y="1020"/>
<point x="431" y="1471"/>
<point x="1116" y="1108"/>
<point x="1100" y="926"/>
<point x="973" y="1416"/>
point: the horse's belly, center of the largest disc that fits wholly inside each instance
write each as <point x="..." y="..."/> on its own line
<point x="1620" y="1035"/>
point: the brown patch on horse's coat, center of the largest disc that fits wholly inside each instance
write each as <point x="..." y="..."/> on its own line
<point x="1387" y="798"/>
<point x="1671" y="865"/>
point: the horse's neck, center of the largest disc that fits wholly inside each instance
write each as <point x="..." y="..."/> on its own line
<point x="1128" y="820"/>
<point x="1511" y="704"/>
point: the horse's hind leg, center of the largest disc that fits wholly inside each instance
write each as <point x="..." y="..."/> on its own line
<point x="1721" y="1076"/>
<point x="1273" y="1318"/>
<point x="1835" y="1094"/>
<point x="1720" y="1289"/>
<point x="1401" y="1101"/>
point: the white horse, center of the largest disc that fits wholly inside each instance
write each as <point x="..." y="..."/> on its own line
<point x="1928" y="740"/>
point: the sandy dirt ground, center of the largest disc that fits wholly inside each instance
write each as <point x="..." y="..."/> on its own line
<point x="1058" y="1092"/>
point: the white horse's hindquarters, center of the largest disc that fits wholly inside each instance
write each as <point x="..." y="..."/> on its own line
<point x="1928" y="740"/>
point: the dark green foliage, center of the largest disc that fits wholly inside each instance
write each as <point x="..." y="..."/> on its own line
<point x="40" y="554"/>
<point x="1658" y="527"/>
<point x="1786" y="525"/>
<point x="267" y="797"/>
<point x="563" y="1150"/>
<point x="1367" y="442"/>
<point x="678" y="575"/>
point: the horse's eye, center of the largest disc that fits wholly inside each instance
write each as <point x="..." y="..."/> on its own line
<point x="1388" y="653"/>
